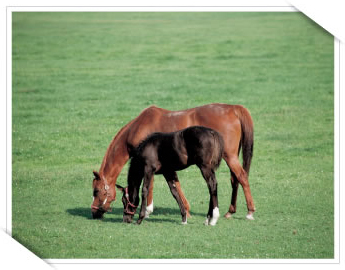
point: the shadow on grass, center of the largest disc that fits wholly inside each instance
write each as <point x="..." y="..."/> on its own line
<point x="159" y="214"/>
<point x="173" y="211"/>
<point x="86" y="213"/>
<point x="81" y="212"/>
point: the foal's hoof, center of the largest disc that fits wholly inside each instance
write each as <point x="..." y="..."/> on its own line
<point x="213" y="222"/>
<point x="215" y="216"/>
<point x="207" y="221"/>
<point x="228" y="215"/>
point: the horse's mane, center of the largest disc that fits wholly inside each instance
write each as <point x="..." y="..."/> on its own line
<point x="116" y="143"/>
<point x="110" y="153"/>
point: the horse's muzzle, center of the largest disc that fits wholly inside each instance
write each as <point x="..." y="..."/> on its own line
<point x="97" y="213"/>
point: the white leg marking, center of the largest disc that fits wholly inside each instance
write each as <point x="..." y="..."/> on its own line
<point x="149" y="210"/>
<point x="184" y="223"/>
<point x="215" y="216"/>
<point x="207" y="221"/>
<point x="250" y="216"/>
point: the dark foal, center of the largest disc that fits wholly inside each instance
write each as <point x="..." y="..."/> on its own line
<point x="166" y="153"/>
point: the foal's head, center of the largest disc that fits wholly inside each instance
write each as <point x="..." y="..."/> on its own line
<point x="103" y="196"/>
<point x="128" y="207"/>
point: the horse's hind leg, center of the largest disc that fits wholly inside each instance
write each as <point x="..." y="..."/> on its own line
<point x="172" y="181"/>
<point x="213" y="210"/>
<point x="242" y="178"/>
<point x="234" y="185"/>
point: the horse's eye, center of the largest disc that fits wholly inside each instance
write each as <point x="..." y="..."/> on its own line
<point x="95" y="192"/>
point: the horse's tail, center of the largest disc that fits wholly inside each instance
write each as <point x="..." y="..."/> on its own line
<point x="247" y="137"/>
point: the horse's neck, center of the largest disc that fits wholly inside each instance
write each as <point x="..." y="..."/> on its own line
<point x="116" y="156"/>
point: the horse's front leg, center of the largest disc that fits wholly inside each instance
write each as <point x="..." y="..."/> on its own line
<point x="172" y="181"/>
<point x="144" y="194"/>
<point x="149" y="208"/>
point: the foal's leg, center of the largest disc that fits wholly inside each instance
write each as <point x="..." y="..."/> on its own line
<point x="172" y="181"/>
<point x="213" y="211"/>
<point x="149" y="208"/>
<point x="145" y="191"/>
<point x="209" y="214"/>
<point x="242" y="178"/>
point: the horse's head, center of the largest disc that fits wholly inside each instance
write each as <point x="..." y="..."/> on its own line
<point x="103" y="196"/>
<point x="128" y="207"/>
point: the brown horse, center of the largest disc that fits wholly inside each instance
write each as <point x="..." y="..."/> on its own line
<point x="233" y="122"/>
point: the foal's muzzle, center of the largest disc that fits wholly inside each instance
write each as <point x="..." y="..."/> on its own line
<point x="127" y="218"/>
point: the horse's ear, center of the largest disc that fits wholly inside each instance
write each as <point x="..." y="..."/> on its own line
<point x="96" y="174"/>
<point x="120" y="188"/>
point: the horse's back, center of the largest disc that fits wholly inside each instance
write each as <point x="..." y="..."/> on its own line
<point x="223" y="118"/>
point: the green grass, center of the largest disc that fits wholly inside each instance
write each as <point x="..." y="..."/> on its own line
<point x="79" y="77"/>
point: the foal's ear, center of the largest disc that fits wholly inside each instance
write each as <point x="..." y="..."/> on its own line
<point x="96" y="174"/>
<point x="120" y="188"/>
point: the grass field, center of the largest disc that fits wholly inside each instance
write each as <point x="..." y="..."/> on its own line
<point x="79" y="77"/>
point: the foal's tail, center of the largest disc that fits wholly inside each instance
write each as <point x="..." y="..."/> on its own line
<point x="247" y="137"/>
<point x="218" y="149"/>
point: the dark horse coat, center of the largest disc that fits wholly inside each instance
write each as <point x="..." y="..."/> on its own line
<point x="166" y="153"/>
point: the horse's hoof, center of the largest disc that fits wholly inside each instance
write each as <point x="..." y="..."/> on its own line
<point x="228" y="215"/>
<point x="184" y="222"/>
<point x="250" y="216"/>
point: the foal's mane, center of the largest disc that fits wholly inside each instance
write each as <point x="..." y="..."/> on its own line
<point x="149" y="139"/>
